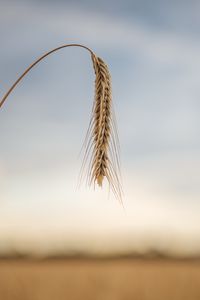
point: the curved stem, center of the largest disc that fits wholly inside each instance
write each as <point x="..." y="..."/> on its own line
<point x="35" y="63"/>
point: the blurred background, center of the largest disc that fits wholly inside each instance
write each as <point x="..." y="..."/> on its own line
<point x="152" y="49"/>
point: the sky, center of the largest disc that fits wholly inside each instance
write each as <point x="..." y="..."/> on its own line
<point x="152" y="50"/>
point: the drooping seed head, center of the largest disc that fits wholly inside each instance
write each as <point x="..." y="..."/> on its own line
<point x="102" y="140"/>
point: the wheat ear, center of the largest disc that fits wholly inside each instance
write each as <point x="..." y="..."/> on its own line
<point x="102" y="146"/>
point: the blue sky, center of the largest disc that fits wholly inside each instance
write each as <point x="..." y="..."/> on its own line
<point x="152" y="49"/>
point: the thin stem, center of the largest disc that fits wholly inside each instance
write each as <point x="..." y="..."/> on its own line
<point x="35" y="63"/>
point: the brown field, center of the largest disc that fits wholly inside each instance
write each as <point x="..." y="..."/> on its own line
<point x="101" y="279"/>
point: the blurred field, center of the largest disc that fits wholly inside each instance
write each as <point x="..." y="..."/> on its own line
<point x="106" y="279"/>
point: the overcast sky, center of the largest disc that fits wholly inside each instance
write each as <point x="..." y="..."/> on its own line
<point x="152" y="49"/>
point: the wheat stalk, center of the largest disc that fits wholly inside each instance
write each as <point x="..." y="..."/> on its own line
<point x="102" y="145"/>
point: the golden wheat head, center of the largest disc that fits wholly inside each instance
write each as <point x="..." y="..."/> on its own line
<point x="102" y="140"/>
<point x="102" y="145"/>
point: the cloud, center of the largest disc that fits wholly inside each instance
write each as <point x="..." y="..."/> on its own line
<point x="102" y="30"/>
